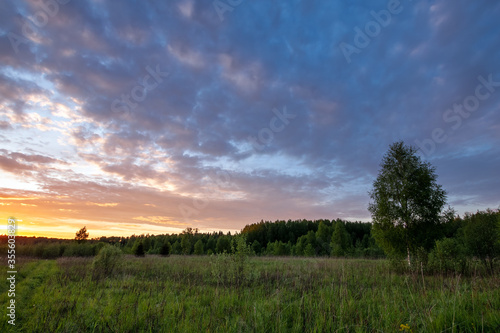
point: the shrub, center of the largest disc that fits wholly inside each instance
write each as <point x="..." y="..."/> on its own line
<point x="50" y="251"/>
<point x="241" y="252"/>
<point x="38" y="250"/>
<point x="221" y="268"/>
<point x="79" y="250"/>
<point x="449" y="255"/>
<point x="106" y="261"/>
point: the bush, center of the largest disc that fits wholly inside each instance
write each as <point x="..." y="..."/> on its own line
<point x="398" y="264"/>
<point x="221" y="268"/>
<point x="241" y="251"/>
<point x="79" y="250"/>
<point x="50" y="251"/>
<point x="448" y="256"/>
<point x="106" y="261"/>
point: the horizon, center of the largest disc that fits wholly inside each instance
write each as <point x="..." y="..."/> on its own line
<point x="232" y="232"/>
<point x="135" y="118"/>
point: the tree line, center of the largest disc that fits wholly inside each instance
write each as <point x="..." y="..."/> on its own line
<point x="410" y="224"/>
<point x="459" y="242"/>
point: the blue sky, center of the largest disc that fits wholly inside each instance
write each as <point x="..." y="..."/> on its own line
<point x="144" y="116"/>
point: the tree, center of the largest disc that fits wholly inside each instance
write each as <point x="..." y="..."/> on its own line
<point x="186" y="243"/>
<point x="223" y="245"/>
<point x="176" y="247"/>
<point x="256" y="247"/>
<point x="482" y="236"/>
<point x="198" y="247"/>
<point x="339" y="239"/>
<point x="106" y="261"/>
<point x="240" y="246"/>
<point x="309" y="250"/>
<point x="82" y="235"/>
<point x="165" y="249"/>
<point x="301" y="245"/>
<point x="138" y="248"/>
<point x="407" y="203"/>
<point x="323" y="236"/>
<point x="211" y="243"/>
<point x="146" y="243"/>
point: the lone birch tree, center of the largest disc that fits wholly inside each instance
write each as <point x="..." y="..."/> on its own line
<point x="406" y="203"/>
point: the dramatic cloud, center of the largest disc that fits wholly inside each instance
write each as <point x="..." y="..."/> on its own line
<point x="136" y="117"/>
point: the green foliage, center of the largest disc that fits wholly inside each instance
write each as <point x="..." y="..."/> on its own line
<point x="223" y="245"/>
<point x="279" y="248"/>
<point x="241" y="251"/>
<point x="146" y="242"/>
<point x="79" y="250"/>
<point x="448" y="256"/>
<point x="106" y="261"/>
<point x="299" y="248"/>
<point x="165" y="249"/>
<point x="176" y="247"/>
<point x="199" y="247"/>
<point x="407" y="203"/>
<point x="481" y="233"/>
<point x="241" y="248"/>
<point x="232" y="269"/>
<point x="211" y="244"/>
<point x="309" y="250"/>
<point x="256" y="247"/>
<point x="292" y="232"/>
<point x="50" y="251"/>
<point x="138" y="248"/>
<point x="289" y="238"/>
<point x="186" y="244"/>
<point x="339" y="240"/>
<point x="221" y="268"/>
<point x="324" y="232"/>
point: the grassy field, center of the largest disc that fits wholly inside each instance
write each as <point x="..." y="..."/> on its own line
<point x="224" y="294"/>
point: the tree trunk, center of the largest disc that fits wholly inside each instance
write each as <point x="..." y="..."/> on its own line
<point x="408" y="250"/>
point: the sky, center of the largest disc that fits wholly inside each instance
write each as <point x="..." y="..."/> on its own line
<point x="134" y="117"/>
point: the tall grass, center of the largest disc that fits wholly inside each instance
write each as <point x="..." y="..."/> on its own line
<point x="215" y="294"/>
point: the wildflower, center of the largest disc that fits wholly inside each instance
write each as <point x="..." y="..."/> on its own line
<point x="405" y="328"/>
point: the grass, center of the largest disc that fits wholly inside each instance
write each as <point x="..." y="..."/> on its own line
<point x="219" y="294"/>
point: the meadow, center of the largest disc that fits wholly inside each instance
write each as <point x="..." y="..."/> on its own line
<point x="230" y="293"/>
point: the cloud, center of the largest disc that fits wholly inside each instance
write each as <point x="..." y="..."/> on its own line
<point x="225" y="79"/>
